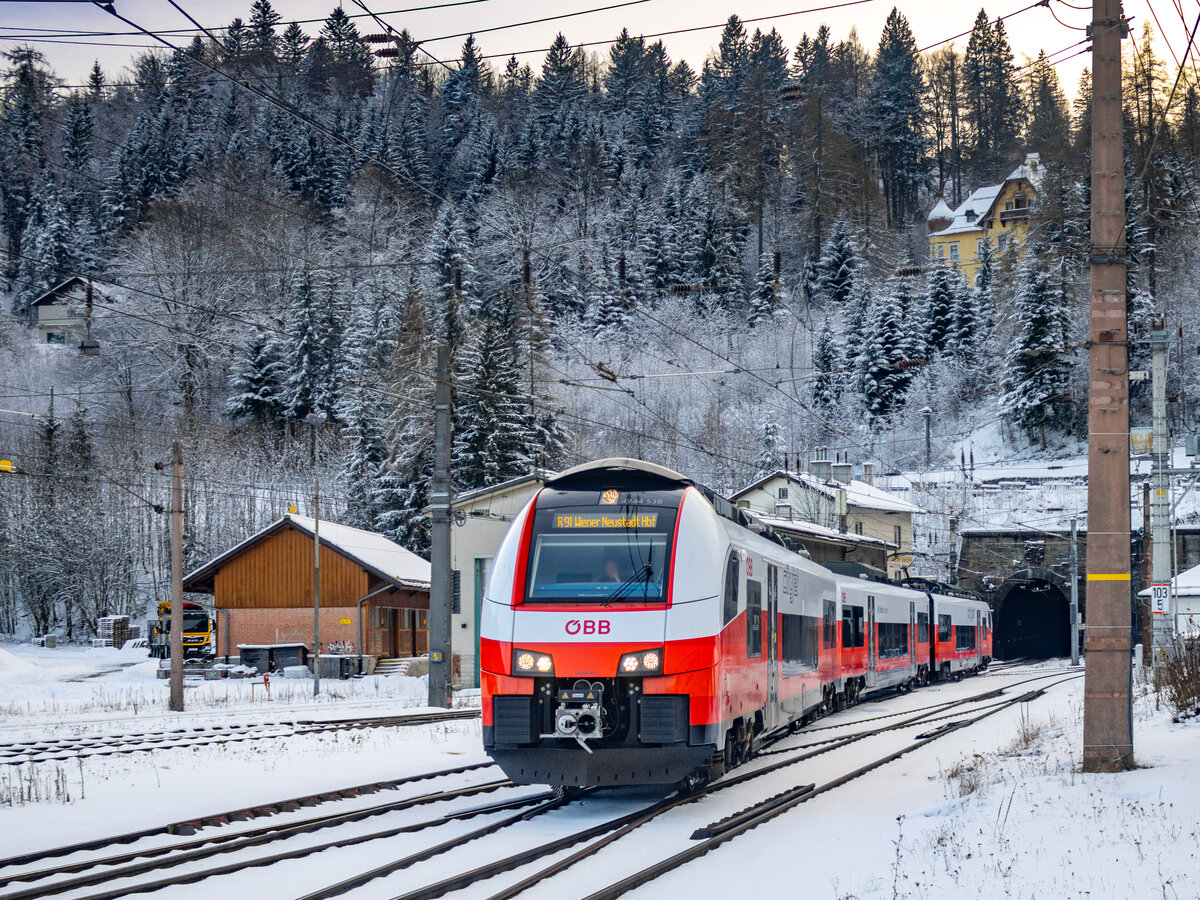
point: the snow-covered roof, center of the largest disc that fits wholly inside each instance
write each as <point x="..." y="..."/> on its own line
<point x="1186" y="584"/>
<point x="971" y="214"/>
<point x="973" y="211"/>
<point x="858" y="493"/>
<point x="538" y="477"/>
<point x="799" y="526"/>
<point x="941" y="210"/>
<point x="372" y="551"/>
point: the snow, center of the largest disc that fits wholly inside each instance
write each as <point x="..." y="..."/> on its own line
<point x="997" y="809"/>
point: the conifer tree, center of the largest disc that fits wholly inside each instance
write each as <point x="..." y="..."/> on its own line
<point x="402" y="491"/>
<point x="257" y="382"/>
<point x="765" y="299"/>
<point x="364" y="459"/>
<point x="826" y="361"/>
<point x="991" y="98"/>
<point x="940" y="297"/>
<point x="838" y="265"/>
<point x="897" y="99"/>
<point x="1037" y="370"/>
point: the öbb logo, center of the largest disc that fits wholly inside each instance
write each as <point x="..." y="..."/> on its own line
<point x="588" y="626"/>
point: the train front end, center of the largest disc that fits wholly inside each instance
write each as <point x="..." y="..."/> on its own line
<point x="583" y="681"/>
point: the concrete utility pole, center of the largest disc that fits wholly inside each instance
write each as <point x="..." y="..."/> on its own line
<point x="1160" y="506"/>
<point x="176" y="636"/>
<point x="1107" y="725"/>
<point x="1074" y="592"/>
<point x="316" y="420"/>
<point x="439" y="550"/>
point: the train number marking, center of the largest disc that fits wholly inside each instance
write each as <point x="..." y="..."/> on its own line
<point x="588" y="626"/>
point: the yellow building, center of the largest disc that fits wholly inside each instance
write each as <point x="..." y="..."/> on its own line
<point x="998" y="213"/>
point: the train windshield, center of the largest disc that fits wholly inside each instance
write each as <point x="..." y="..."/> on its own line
<point x="611" y="551"/>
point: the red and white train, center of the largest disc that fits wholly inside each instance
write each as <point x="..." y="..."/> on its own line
<point x="639" y="629"/>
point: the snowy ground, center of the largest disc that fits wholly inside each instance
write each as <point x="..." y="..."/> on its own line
<point x="999" y="809"/>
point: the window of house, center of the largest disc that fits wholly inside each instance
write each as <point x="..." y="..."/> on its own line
<point x="897" y="534"/>
<point x="954" y="251"/>
<point x="858" y="528"/>
<point x="783" y="493"/>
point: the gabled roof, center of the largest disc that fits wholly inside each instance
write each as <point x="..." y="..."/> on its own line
<point x="812" y="530"/>
<point x="1186" y="584"/>
<point x="374" y="552"/>
<point x="504" y="486"/>
<point x="57" y="292"/>
<point x="973" y="211"/>
<point x="858" y="493"/>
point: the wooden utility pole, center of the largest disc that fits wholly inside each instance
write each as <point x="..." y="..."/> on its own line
<point x="176" y="637"/>
<point x="1107" y="724"/>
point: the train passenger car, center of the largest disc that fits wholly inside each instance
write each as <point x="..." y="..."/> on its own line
<point x="962" y="635"/>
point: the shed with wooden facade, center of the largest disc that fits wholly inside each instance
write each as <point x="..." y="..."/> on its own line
<point x="263" y="590"/>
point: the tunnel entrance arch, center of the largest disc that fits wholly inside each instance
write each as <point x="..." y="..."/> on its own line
<point x="1033" y="610"/>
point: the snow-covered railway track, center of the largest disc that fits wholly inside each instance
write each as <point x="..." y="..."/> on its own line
<point x="598" y="836"/>
<point x="59" y="749"/>
<point x="111" y="873"/>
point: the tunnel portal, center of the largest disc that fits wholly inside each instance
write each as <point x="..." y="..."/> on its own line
<point x="1032" y="616"/>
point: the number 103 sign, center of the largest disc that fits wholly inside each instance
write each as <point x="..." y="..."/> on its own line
<point x="1158" y="598"/>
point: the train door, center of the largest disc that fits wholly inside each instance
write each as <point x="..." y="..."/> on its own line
<point x="978" y="635"/>
<point x="772" y="712"/>
<point x="912" y="637"/>
<point x="871" y="644"/>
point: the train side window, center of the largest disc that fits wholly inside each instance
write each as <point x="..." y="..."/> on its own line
<point x="893" y="640"/>
<point x="944" y="631"/>
<point x="829" y="622"/>
<point x="922" y="627"/>
<point x="964" y="638"/>
<point x="753" y="619"/>
<point x="731" y="588"/>
<point x="852" y="626"/>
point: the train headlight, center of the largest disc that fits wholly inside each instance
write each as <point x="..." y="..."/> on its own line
<point x="530" y="662"/>
<point x="644" y="662"/>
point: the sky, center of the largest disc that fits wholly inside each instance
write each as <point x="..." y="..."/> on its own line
<point x="932" y="21"/>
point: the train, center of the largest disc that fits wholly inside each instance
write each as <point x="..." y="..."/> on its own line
<point x="639" y="629"/>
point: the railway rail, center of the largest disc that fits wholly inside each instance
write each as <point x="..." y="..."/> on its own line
<point x="59" y="749"/>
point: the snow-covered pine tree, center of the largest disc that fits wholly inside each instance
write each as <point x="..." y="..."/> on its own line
<point x="452" y="279"/>
<point x="364" y="458"/>
<point x="765" y="299"/>
<point x="770" y="449"/>
<point x="838" y="265"/>
<point x="1037" y="371"/>
<point x="402" y="492"/>
<point x="827" y="365"/>
<point x="310" y="357"/>
<point x="257" y="381"/>
<point x="939" y="313"/>
<point x="493" y="438"/>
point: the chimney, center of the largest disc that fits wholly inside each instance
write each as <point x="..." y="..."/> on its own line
<point x="869" y="473"/>
<point x="821" y="469"/>
<point x="842" y="472"/>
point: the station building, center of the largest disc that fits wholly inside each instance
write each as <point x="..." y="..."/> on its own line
<point x="262" y="590"/>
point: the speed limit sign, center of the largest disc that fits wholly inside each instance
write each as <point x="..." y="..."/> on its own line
<point x="1158" y="598"/>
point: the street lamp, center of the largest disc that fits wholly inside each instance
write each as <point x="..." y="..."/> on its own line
<point x="316" y="420"/>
